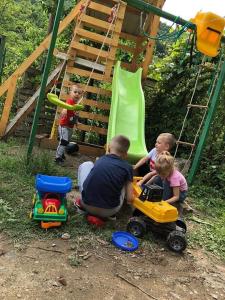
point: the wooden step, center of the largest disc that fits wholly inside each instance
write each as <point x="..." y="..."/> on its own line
<point x="97" y="104"/>
<point x="94" y="51"/>
<point x="186" y="143"/>
<point x="92" y="116"/>
<point x="84" y="73"/>
<point x="89" y="102"/>
<point x="105" y="26"/>
<point x="100" y="8"/>
<point x="89" y="128"/>
<point x="89" y="64"/>
<point x="91" y="89"/>
<point x="197" y="106"/>
<point x="96" y="37"/>
<point x="104" y="9"/>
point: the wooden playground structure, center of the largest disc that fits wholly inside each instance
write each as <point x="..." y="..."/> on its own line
<point x="100" y="28"/>
<point x="92" y="26"/>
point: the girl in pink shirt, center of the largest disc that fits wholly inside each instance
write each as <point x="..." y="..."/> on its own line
<point x="174" y="184"/>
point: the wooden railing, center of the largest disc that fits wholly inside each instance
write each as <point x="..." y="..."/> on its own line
<point x="10" y="84"/>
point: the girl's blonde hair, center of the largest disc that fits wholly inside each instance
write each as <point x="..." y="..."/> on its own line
<point x="164" y="164"/>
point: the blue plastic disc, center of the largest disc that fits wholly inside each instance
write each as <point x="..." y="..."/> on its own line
<point x="125" y="241"/>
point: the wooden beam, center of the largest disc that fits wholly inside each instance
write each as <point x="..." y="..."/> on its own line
<point x="42" y="47"/>
<point x="116" y="36"/>
<point x="94" y="51"/>
<point x="139" y="48"/>
<point x="99" y="7"/>
<point x="126" y="48"/>
<point x="97" y="104"/>
<point x="96" y="23"/>
<point x="91" y="89"/>
<point x="154" y="27"/>
<point x="89" y="128"/>
<point x="87" y="149"/>
<point x="127" y="66"/>
<point x="92" y="116"/>
<point x="96" y="37"/>
<point x="89" y="64"/>
<point x="8" y="104"/>
<point x="84" y="73"/>
<point x="89" y="102"/>
<point x="128" y="36"/>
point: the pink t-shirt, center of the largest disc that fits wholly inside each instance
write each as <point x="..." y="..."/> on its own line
<point x="176" y="179"/>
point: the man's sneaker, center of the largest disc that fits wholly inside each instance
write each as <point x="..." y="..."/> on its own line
<point x="78" y="205"/>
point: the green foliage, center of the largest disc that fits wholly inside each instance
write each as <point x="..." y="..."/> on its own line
<point x="51" y="5"/>
<point x="166" y="106"/>
<point x="210" y="234"/>
<point x="24" y="24"/>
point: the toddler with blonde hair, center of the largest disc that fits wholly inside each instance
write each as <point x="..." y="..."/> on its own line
<point x="174" y="183"/>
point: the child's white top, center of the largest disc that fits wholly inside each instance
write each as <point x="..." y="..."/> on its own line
<point x="152" y="155"/>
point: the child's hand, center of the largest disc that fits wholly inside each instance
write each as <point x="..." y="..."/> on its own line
<point x="139" y="183"/>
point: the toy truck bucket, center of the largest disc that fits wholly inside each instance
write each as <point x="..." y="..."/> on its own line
<point x="209" y="32"/>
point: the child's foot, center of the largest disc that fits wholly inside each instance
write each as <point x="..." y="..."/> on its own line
<point x="96" y="221"/>
<point x="59" y="160"/>
<point x="78" y="205"/>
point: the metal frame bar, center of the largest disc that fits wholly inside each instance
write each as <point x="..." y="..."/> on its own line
<point x="2" y="54"/>
<point x="44" y="78"/>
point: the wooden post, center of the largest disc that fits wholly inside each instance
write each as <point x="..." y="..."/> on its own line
<point x="154" y="26"/>
<point x="8" y="104"/>
<point x="116" y="36"/>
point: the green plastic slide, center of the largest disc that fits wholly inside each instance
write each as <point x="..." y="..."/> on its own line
<point x="127" y="113"/>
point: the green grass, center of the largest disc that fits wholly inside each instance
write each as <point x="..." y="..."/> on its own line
<point x="16" y="193"/>
<point x="17" y="188"/>
<point x="209" y="232"/>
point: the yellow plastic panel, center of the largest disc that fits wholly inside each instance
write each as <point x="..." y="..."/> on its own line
<point x="209" y="32"/>
<point x="161" y="212"/>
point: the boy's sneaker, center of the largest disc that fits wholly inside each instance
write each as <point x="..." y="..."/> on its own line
<point x="78" y="205"/>
<point x="59" y="161"/>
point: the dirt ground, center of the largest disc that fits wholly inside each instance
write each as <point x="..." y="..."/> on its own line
<point x="88" y="267"/>
<point x="95" y="269"/>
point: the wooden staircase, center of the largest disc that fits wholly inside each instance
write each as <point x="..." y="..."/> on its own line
<point x="92" y="63"/>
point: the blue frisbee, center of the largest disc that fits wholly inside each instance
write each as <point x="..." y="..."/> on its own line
<point x="124" y="241"/>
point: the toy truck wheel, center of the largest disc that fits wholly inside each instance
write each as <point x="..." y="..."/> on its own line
<point x="176" y="241"/>
<point x="136" y="226"/>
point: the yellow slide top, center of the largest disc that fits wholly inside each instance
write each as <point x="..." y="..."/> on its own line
<point x="209" y="32"/>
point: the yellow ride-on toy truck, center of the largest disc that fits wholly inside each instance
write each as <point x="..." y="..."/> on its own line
<point x="151" y="213"/>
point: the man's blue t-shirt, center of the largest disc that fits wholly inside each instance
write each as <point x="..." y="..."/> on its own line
<point x="103" y="185"/>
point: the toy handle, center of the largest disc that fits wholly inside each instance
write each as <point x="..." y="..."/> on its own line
<point x="52" y="195"/>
